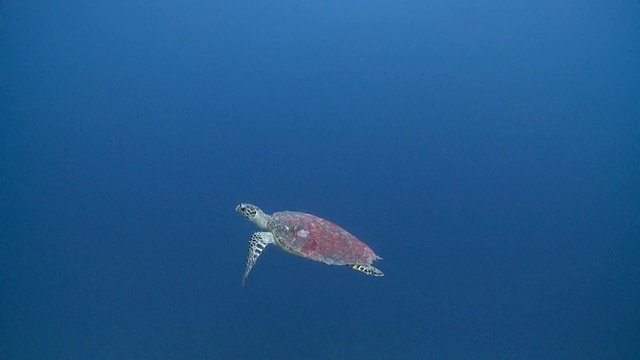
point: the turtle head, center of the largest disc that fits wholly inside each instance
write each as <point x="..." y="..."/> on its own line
<point x="253" y="214"/>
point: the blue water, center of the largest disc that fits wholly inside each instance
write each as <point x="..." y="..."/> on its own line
<point x="488" y="151"/>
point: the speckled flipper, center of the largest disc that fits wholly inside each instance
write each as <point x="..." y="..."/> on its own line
<point x="369" y="270"/>
<point x="259" y="241"/>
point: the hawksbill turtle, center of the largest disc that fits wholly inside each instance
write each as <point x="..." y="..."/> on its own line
<point x="307" y="236"/>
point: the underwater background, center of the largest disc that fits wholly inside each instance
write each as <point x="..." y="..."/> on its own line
<point x="488" y="151"/>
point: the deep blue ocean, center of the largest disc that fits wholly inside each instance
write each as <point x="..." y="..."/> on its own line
<point x="488" y="151"/>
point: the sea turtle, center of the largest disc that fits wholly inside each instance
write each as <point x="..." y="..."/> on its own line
<point x="307" y="236"/>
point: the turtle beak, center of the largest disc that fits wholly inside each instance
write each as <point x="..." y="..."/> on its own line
<point x="247" y="210"/>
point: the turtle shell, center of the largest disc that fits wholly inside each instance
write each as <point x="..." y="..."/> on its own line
<point x="318" y="239"/>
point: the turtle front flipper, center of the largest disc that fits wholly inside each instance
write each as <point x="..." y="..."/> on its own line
<point x="367" y="269"/>
<point x="258" y="242"/>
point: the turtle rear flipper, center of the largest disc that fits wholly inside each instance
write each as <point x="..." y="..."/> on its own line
<point x="367" y="269"/>
<point x="258" y="242"/>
